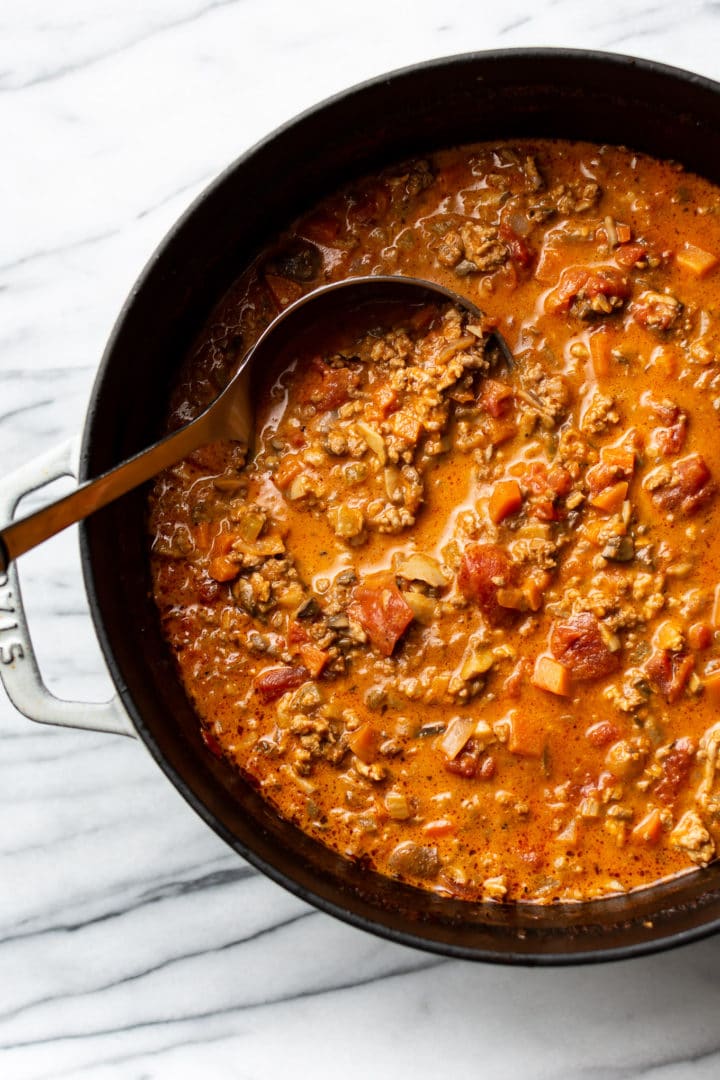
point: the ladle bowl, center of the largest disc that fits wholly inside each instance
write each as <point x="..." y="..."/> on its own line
<point x="230" y="415"/>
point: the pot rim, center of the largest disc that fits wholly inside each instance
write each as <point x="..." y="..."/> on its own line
<point x="621" y="62"/>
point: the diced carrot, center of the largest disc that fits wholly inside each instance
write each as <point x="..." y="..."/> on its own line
<point x="600" y="353"/>
<point x="551" y="675"/>
<point x="440" y="827"/>
<point x="711" y="683"/>
<point x="533" y="591"/>
<point x="621" y="457"/>
<point x="499" y="431"/>
<point x="290" y="467"/>
<point x="406" y="426"/>
<point x="222" y="568"/>
<point x="624" y="233"/>
<point x="222" y="542"/>
<point x="649" y="829"/>
<point x="611" y="498"/>
<point x="314" y="659"/>
<point x="506" y="498"/>
<point x="362" y="743"/>
<point x="598" y="532"/>
<point x="382" y="404"/>
<point x="696" y="261"/>
<point x="527" y="738"/>
<point x="715" y="616"/>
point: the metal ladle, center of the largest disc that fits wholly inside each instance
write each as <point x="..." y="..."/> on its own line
<point x="230" y="415"/>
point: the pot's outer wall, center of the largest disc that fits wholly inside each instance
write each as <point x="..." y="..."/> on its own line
<point x="554" y="93"/>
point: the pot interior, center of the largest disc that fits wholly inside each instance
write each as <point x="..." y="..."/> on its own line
<point x="532" y="93"/>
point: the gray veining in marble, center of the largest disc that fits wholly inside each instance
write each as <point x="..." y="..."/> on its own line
<point x="133" y="943"/>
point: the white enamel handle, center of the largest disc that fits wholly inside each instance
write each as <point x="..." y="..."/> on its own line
<point x="19" y="669"/>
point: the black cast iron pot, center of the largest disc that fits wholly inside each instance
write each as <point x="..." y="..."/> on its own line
<point x="463" y="99"/>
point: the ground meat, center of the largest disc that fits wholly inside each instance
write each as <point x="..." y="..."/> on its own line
<point x="575" y="197"/>
<point x="450" y="249"/>
<point x="482" y="248"/>
<point x="692" y="837"/>
<point x="657" y="311"/>
<point x="600" y="413"/>
<point x="632" y="694"/>
<point x="535" y="552"/>
<point x="533" y="176"/>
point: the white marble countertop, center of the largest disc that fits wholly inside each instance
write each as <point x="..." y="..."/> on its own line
<point x="133" y="943"/>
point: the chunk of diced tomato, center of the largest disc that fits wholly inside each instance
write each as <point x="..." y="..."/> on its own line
<point x="314" y="659"/>
<point x="630" y="254"/>
<point x="578" y="643"/>
<point x="669" y="672"/>
<point x="518" y="249"/>
<point x="327" y="387"/>
<point x="382" y="611"/>
<point x="484" y="569"/>
<point x="362" y="743"/>
<point x="588" y="282"/>
<point x="602" y="733"/>
<point x="649" y="829"/>
<point x="297" y="634"/>
<point x="676" y="766"/>
<point x="283" y="290"/>
<point x="700" y="636"/>
<point x="274" y="682"/>
<point x="688" y="487"/>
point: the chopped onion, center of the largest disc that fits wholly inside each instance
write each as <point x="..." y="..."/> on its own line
<point x="459" y="731"/>
<point x="420" y="567"/>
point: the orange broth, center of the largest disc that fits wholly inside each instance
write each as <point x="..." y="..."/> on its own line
<point x="456" y="619"/>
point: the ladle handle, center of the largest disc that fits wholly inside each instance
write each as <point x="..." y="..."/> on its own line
<point x="19" y="670"/>
<point x="26" y="533"/>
